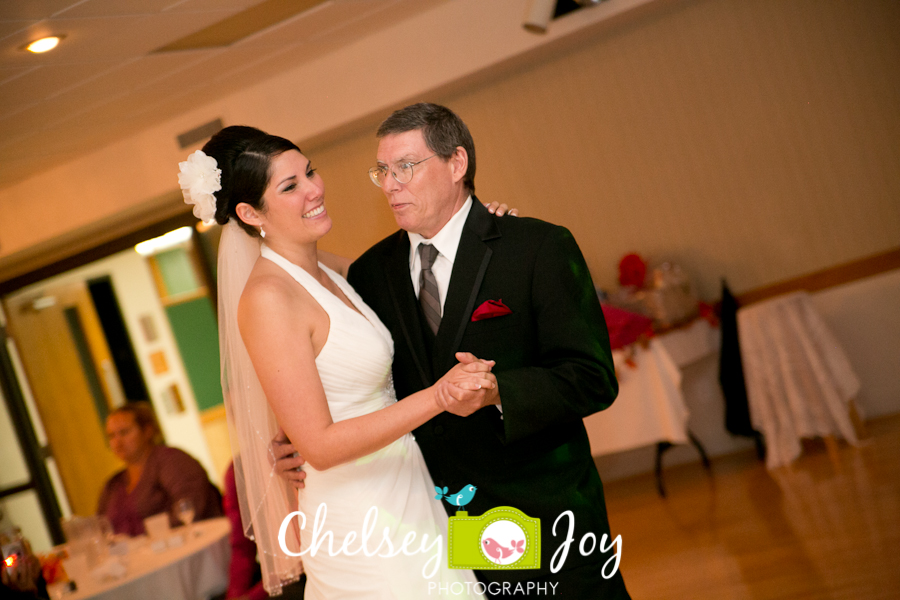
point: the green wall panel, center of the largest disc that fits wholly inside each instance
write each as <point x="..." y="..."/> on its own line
<point x="194" y="326"/>
<point x="177" y="271"/>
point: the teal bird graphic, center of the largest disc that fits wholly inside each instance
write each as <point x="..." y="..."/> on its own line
<point x="460" y="498"/>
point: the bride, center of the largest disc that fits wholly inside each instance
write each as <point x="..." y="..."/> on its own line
<point x="302" y="351"/>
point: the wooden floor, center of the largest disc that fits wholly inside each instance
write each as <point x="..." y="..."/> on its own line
<point x="816" y="529"/>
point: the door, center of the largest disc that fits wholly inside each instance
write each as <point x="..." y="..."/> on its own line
<point x="28" y="497"/>
<point x="74" y="383"/>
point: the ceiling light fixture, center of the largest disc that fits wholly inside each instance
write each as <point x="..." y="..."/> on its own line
<point x="44" y="44"/>
<point x="538" y="15"/>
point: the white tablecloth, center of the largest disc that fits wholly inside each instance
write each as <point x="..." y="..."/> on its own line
<point x="650" y="407"/>
<point x="799" y="381"/>
<point x="194" y="571"/>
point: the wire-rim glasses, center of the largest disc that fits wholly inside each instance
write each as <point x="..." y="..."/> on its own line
<point x="401" y="172"/>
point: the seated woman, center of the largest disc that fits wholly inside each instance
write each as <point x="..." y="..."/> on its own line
<point x="155" y="476"/>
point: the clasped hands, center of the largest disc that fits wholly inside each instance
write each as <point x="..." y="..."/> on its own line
<point x="467" y="387"/>
<point x="464" y="389"/>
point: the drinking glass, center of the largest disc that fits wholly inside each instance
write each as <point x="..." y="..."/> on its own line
<point x="184" y="510"/>
<point x="106" y="529"/>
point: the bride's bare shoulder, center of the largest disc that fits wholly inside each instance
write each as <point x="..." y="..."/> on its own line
<point x="267" y="282"/>
<point x="271" y="293"/>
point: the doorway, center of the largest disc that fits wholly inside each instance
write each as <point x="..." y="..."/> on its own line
<point x="69" y="365"/>
<point x="72" y="330"/>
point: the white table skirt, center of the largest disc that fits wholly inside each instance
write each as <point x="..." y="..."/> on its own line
<point x="799" y="381"/>
<point x="196" y="570"/>
<point x="650" y="407"/>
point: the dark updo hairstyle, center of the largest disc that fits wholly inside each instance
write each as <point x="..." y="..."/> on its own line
<point x="244" y="154"/>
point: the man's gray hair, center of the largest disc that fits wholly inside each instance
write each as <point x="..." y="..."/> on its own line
<point x="442" y="129"/>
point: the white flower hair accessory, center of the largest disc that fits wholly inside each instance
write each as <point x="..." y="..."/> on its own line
<point x="199" y="179"/>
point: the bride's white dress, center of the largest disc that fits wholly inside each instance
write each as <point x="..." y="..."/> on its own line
<point x="355" y="368"/>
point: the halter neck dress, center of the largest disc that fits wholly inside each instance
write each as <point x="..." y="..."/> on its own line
<point x="355" y="369"/>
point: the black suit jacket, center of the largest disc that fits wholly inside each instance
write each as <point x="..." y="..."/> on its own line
<point x="554" y="367"/>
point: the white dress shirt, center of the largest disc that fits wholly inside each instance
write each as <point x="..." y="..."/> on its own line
<point x="447" y="242"/>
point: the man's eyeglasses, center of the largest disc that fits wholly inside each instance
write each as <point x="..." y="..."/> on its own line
<point x="402" y="172"/>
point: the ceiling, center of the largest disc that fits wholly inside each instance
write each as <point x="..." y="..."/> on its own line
<point x="113" y="75"/>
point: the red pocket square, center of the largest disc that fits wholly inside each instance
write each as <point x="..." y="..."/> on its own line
<point x="490" y="309"/>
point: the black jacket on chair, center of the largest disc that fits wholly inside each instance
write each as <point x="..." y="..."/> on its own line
<point x="554" y="367"/>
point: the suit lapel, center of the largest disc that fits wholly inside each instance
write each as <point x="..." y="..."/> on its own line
<point x="403" y="298"/>
<point x="472" y="259"/>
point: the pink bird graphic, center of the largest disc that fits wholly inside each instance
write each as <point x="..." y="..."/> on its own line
<point x="492" y="548"/>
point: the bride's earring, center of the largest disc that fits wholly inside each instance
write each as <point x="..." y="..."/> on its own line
<point x="262" y="233"/>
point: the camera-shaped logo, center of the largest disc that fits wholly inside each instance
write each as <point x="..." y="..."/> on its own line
<point x="502" y="538"/>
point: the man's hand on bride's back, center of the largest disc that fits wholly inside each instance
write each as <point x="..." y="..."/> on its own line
<point x="288" y="463"/>
<point x="468" y="386"/>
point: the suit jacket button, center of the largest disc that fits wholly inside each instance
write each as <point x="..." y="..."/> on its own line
<point x="438" y="429"/>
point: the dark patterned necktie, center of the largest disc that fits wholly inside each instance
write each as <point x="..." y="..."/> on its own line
<point x="428" y="289"/>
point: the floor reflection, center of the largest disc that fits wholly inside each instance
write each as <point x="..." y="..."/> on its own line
<point x="825" y="527"/>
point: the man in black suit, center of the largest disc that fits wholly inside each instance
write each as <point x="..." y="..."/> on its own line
<point x="513" y="290"/>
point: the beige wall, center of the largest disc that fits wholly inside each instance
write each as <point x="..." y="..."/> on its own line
<point x="756" y="141"/>
<point x="751" y="140"/>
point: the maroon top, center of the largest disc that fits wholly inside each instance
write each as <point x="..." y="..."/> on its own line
<point x="243" y="572"/>
<point x="169" y="475"/>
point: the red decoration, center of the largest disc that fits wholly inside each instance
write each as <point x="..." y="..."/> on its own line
<point x="709" y="313"/>
<point x="625" y="327"/>
<point x="632" y="271"/>
<point x="490" y="309"/>
<point x="52" y="568"/>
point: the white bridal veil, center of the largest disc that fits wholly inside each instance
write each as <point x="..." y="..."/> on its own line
<point x="265" y="498"/>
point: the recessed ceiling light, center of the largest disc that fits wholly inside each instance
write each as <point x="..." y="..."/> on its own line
<point x="44" y="44"/>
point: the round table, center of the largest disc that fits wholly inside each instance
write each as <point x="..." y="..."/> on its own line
<point x="196" y="569"/>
